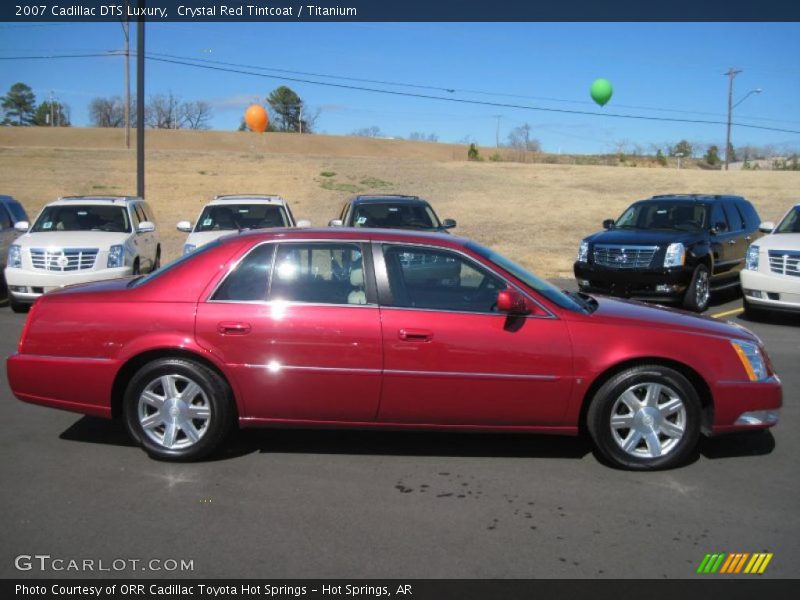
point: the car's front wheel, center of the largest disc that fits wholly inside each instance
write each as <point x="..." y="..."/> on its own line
<point x="698" y="293"/>
<point x="644" y="418"/>
<point x="16" y="306"/>
<point x="178" y="409"/>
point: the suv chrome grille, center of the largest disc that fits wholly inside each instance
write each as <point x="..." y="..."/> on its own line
<point x="66" y="259"/>
<point x="620" y="256"/>
<point x="785" y="262"/>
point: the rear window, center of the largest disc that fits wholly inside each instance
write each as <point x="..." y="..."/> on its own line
<point x="83" y="217"/>
<point x="236" y="217"/>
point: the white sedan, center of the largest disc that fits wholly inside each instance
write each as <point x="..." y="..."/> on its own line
<point x="771" y="277"/>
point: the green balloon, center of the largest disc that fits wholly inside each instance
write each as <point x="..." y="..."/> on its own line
<point x="601" y="91"/>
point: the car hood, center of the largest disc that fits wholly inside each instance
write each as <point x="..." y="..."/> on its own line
<point x="72" y="239"/>
<point x="779" y="241"/>
<point x="200" y="238"/>
<point x="642" y="237"/>
<point x="616" y="311"/>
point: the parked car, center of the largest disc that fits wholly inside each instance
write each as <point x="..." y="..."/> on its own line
<point x="78" y="239"/>
<point x="670" y="248"/>
<point x="771" y="277"/>
<point x="237" y="212"/>
<point x="328" y="327"/>
<point x="390" y="212"/>
<point x="11" y="213"/>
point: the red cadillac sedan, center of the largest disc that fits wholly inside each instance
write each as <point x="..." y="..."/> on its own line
<point x="386" y="329"/>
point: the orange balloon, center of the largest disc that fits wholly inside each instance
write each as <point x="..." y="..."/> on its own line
<point x="256" y="118"/>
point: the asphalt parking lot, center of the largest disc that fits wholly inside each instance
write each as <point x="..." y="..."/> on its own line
<point x="349" y="504"/>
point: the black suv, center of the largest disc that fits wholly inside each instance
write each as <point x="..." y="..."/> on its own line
<point x="390" y="212"/>
<point x="675" y="247"/>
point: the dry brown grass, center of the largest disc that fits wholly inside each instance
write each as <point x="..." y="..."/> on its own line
<point x="534" y="213"/>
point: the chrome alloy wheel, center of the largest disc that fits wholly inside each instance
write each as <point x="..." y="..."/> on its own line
<point x="648" y="420"/>
<point x="702" y="290"/>
<point x="174" y="411"/>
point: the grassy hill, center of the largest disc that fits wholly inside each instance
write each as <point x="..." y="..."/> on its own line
<point x="535" y="213"/>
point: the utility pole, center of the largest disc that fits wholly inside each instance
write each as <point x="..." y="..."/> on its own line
<point x="731" y="74"/>
<point x="140" y="105"/>
<point x="497" y="132"/>
<point x="301" y="119"/>
<point x="52" y="116"/>
<point x="126" y="31"/>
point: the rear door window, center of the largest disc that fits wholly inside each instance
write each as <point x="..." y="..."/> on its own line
<point x="735" y="219"/>
<point x="249" y="281"/>
<point x="718" y="218"/>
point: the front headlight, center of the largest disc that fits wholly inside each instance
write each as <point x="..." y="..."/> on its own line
<point x="583" y="252"/>
<point x="189" y="248"/>
<point x="116" y="256"/>
<point x="752" y="359"/>
<point x="675" y="255"/>
<point x="14" y="257"/>
<point x="751" y="263"/>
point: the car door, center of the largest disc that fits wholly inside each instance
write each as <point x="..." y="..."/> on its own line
<point x="150" y="237"/>
<point x="7" y="233"/>
<point x="737" y="245"/>
<point x="451" y="359"/>
<point x="298" y="327"/>
<point x="723" y="242"/>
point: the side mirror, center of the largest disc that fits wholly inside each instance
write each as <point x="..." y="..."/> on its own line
<point x="146" y="227"/>
<point x="335" y="223"/>
<point x="22" y="226"/>
<point x="608" y="223"/>
<point x="719" y="227"/>
<point x="185" y="226"/>
<point x="303" y="223"/>
<point x="448" y="223"/>
<point x="511" y="302"/>
<point x="766" y="226"/>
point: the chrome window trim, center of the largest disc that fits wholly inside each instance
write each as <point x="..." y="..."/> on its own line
<point x="209" y="297"/>
<point x="550" y="314"/>
<point x="401" y="372"/>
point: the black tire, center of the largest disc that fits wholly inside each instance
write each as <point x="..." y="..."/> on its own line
<point x="695" y="298"/>
<point x="135" y="270"/>
<point x="751" y="312"/>
<point x="18" y="307"/>
<point x="157" y="261"/>
<point x="212" y="395"/>
<point x="609" y="439"/>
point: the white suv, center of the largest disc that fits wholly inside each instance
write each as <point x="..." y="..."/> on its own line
<point x="771" y="277"/>
<point x="79" y="239"/>
<point x="225" y="214"/>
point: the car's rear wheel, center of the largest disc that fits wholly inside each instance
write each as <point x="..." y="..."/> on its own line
<point x="699" y="291"/>
<point x="645" y="418"/>
<point x="157" y="261"/>
<point x="136" y="270"/>
<point x="178" y="409"/>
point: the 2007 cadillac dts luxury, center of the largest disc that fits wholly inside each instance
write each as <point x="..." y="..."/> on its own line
<point x="392" y="329"/>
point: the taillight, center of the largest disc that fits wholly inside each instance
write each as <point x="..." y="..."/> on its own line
<point x="25" y="327"/>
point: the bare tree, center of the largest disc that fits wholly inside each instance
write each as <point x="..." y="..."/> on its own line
<point x="373" y="132"/>
<point x="195" y="114"/>
<point x="107" y="112"/>
<point x="163" y="112"/>
<point x="417" y="136"/>
<point x="520" y="138"/>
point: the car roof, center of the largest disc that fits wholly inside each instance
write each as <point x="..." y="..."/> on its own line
<point x="248" y="199"/>
<point x="351" y="234"/>
<point x="384" y="198"/>
<point x="96" y="200"/>
<point x="705" y="198"/>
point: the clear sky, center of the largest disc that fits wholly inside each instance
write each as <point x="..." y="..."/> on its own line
<point x="657" y="70"/>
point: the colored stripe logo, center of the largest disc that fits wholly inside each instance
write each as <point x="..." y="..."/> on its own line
<point x="735" y="563"/>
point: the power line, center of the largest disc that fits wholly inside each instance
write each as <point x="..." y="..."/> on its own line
<point x="197" y="63"/>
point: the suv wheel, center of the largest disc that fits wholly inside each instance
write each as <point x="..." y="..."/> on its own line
<point x="178" y="409"/>
<point x="157" y="261"/>
<point x="18" y="307"/>
<point x="645" y="418"/>
<point x="135" y="270"/>
<point x="699" y="291"/>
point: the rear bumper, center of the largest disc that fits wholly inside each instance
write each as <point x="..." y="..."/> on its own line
<point x="654" y="284"/>
<point x="735" y="402"/>
<point x="52" y="381"/>
<point x="37" y="283"/>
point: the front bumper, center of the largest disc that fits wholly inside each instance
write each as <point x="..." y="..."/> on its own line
<point x="652" y="284"/>
<point x="769" y="290"/>
<point x="746" y="406"/>
<point x="36" y="283"/>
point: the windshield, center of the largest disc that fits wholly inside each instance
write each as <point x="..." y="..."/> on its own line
<point x="545" y="288"/>
<point x="685" y="216"/>
<point x="395" y="216"/>
<point x="83" y="217"/>
<point x="790" y="223"/>
<point x="235" y="217"/>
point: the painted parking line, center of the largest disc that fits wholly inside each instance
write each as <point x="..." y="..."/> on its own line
<point x="728" y="313"/>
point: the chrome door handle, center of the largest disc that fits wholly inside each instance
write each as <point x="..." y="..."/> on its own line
<point x="731" y="242"/>
<point x="233" y="328"/>
<point x="415" y="335"/>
